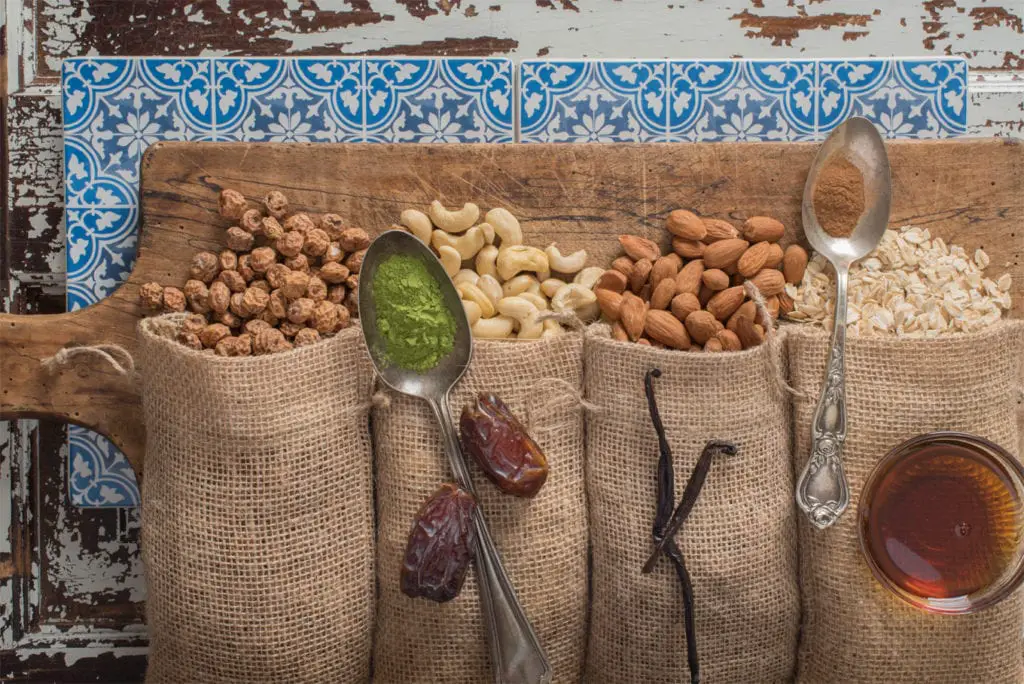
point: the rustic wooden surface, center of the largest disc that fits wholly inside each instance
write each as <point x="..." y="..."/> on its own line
<point x="581" y="196"/>
<point x="70" y="642"/>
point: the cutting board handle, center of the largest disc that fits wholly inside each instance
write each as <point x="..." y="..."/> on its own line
<point x="86" y="389"/>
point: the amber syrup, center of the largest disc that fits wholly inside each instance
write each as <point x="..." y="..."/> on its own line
<point x="943" y="522"/>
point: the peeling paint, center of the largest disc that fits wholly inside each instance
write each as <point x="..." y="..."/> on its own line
<point x="783" y="30"/>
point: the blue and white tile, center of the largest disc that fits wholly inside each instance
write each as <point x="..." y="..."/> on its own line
<point x="98" y="475"/>
<point x="288" y="100"/>
<point x="593" y="101"/>
<point x="905" y="98"/>
<point x="738" y="100"/>
<point x="438" y="100"/>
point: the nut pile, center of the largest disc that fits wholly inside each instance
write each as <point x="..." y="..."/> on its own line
<point x="286" y="279"/>
<point x="911" y="285"/>
<point x="506" y="287"/>
<point x="694" y="298"/>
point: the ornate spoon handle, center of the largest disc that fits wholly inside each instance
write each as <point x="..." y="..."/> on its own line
<point x="822" y="491"/>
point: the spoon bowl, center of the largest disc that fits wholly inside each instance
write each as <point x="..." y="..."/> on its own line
<point x="516" y="654"/>
<point x="822" y="491"/>
<point x="441" y="378"/>
<point x="858" y="140"/>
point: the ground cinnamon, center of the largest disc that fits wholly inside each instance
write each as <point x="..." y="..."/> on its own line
<point x="839" y="197"/>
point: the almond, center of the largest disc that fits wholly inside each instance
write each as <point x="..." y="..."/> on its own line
<point x="785" y="303"/>
<point x="713" y="345"/>
<point x="610" y="303"/>
<point x="763" y="229"/>
<point x="725" y="303"/>
<point x="684" y="304"/>
<point x="705" y="295"/>
<point x="701" y="326"/>
<point x="794" y="262"/>
<point x="637" y="247"/>
<point x="645" y="292"/>
<point x="774" y="255"/>
<point x="632" y="313"/>
<point x="665" y="267"/>
<point x="688" y="249"/>
<point x="619" y="333"/>
<point x="623" y="265"/>
<point x="729" y="340"/>
<point x="772" y="304"/>
<point x="724" y="253"/>
<point x="612" y="280"/>
<point x="747" y="309"/>
<point x="663" y="294"/>
<point x="769" y="281"/>
<point x="644" y="341"/>
<point x="749" y="334"/>
<point x="719" y="230"/>
<point x="754" y="259"/>
<point x="715" y="279"/>
<point x="690" y="277"/>
<point x="641" y="271"/>
<point x="686" y="224"/>
<point x="666" y="328"/>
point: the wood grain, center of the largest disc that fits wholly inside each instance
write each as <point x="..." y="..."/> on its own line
<point x="581" y="196"/>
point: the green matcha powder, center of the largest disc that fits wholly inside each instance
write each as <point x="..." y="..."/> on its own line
<point x="416" y="326"/>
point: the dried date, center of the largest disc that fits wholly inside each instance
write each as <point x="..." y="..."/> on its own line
<point x="499" y="443"/>
<point x="440" y="545"/>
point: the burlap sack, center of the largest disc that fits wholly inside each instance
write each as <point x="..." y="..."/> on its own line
<point x="739" y="542"/>
<point x="854" y="630"/>
<point x="257" y="512"/>
<point x="543" y="541"/>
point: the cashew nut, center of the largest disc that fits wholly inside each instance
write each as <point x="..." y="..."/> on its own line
<point x="473" y="313"/>
<point x="565" y="264"/>
<point x="550" y="286"/>
<point x="496" y="328"/>
<point x="467" y="245"/>
<point x="450" y="259"/>
<point x="518" y="258"/>
<point x="525" y="314"/>
<point x="519" y="284"/>
<point x="552" y="328"/>
<point x="589" y="276"/>
<point x="537" y="300"/>
<point x="454" y="221"/>
<point x="465" y="275"/>
<point x="506" y="226"/>
<point x="486" y="260"/>
<point x="472" y="293"/>
<point x="488" y="232"/>
<point x="490" y="286"/>
<point x="417" y="223"/>
<point x="578" y="299"/>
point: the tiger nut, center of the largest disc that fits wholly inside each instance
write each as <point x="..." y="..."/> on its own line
<point x="354" y="261"/>
<point x="334" y="253"/>
<point x="276" y="274"/>
<point x="291" y="244"/>
<point x="300" y="310"/>
<point x="190" y="340"/>
<point x="334" y="273"/>
<point x="254" y="300"/>
<point x="306" y="336"/>
<point x="204" y="267"/>
<point x="233" y="279"/>
<point x="270" y="341"/>
<point x="316" y="242"/>
<point x="317" y="289"/>
<point x="255" y="325"/>
<point x="344" y="317"/>
<point x="295" y="284"/>
<point x="278" y="304"/>
<point x="151" y="296"/>
<point x="324" y="317"/>
<point x="239" y="240"/>
<point x="272" y="228"/>
<point x="174" y="300"/>
<point x="300" y="223"/>
<point x="333" y="225"/>
<point x="298" y="262"/>
<point x="261" y="259"/>
<point x="336" y="294"/>
<point x="245" y="269"/>
<point x="227" y="260"/>
<point x="220" y="297"/>
<point x="354" y="240"/>
<point x="261" y="285"/>
<point x="231" y="203"/>
<point x="251" y="221"/>
<point x="276" y="204"/>
<point x="213" y="333"/>
<point x="193" y="323"/>
<point x="236" y="304"/>
<point x="229" y="319"/>
<point x="290" y="329"/>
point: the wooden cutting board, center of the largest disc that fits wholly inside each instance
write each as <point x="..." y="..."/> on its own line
<point x="968" y="191"/>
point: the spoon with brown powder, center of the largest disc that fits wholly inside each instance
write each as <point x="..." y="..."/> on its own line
<point x="845" y="213"/>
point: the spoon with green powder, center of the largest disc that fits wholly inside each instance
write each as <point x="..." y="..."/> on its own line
<point x="420" y="343"/>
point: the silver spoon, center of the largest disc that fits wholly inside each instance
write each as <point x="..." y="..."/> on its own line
<point x="516" y="654"/>
<point x="822" y="491"/>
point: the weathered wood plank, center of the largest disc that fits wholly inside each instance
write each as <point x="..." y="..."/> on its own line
<point x="989" y="35"/>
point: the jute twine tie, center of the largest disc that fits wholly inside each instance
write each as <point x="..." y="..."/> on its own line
<point x="115" y="355"/>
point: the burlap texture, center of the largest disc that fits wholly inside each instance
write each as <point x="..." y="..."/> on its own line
<point x="739" y="542"/>
<point x="854" y="630"/>
<point x="257" y="512"/>
<point x="542" y="541"/>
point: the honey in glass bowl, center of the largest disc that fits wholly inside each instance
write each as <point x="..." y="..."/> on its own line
<point x="940" y="522"/>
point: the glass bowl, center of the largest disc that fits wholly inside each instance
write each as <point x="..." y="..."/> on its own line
<point x="940" y="522"/>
